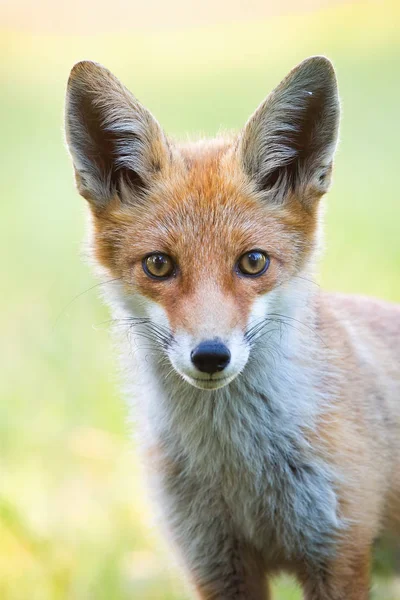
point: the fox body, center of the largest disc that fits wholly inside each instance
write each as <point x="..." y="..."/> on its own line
<point x="269" y="410"/>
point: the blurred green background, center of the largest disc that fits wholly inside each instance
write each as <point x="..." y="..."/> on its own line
<point x="75" y="521"/>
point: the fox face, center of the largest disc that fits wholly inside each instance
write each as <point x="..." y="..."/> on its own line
<point x="205" y="239"/>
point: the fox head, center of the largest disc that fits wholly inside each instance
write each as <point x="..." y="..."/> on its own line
<point x="204" y="239"/>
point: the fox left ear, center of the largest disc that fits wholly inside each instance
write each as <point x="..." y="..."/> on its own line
<point x="117" y="146"/>
<point x="289" y="142"/>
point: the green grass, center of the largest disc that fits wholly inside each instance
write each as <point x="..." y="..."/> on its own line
<point x="74" y="518"/>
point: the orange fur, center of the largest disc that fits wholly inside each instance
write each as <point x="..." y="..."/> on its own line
<point x="205" y="204"/>
<point x="175" y="219"/>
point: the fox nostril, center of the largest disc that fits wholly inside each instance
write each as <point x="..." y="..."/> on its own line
<point x="211" y="356"/>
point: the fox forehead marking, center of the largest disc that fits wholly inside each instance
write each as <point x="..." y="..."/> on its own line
<point x="203" y="209"/>
<point x="205" y="217"/>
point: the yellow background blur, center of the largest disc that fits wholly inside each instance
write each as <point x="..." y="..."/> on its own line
<point x="74" y="518"/>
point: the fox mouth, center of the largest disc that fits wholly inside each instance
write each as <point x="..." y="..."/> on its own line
<point x="210" y="383"/>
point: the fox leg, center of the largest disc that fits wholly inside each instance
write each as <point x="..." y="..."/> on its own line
<point x="220" y="565"/>
<point x="234" y="574"/>
<point x="346" y="578"/>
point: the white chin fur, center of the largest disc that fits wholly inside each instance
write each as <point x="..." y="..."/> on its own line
<point x="210" y="383"/>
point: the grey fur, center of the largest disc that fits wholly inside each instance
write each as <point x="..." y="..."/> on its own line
<point x="244" y="473"/>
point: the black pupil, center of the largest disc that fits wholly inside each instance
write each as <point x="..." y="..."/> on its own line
<point x="159" y="261"/>
<point x="254" y="258"/>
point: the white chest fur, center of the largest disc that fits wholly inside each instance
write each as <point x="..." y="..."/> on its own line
<point x="244" y="448"/>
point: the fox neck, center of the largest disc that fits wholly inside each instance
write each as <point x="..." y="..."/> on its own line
<point x="251" y="443"/>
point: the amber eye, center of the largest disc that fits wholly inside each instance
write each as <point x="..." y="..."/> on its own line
<point x="158" y="265"/>
<point x="253" y="263"/>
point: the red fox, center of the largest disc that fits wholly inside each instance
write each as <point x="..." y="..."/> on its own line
<point x="269" y="410"/>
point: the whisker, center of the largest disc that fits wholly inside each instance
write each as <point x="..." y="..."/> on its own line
<point x="154" y="331"/>
<point x="307" y="279"/>
<point x="309" y="327"/>
<point x="79" y="295"/>
<point x="150" y="331"/>
<point x="256" y="330"/>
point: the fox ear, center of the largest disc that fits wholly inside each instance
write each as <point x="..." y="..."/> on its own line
<point x="116" y="145"/>
<point x="289" y="142"/>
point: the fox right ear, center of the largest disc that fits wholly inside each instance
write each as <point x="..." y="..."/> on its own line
<point x="289" y="142"/>
<point x="117" y="146"/>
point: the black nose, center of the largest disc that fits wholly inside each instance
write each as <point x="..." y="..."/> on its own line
<point x="211" y="356"/>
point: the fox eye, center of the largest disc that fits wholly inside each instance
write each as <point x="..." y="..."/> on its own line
<point x="158" y="265"/>
<point x="253" y="263"/>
